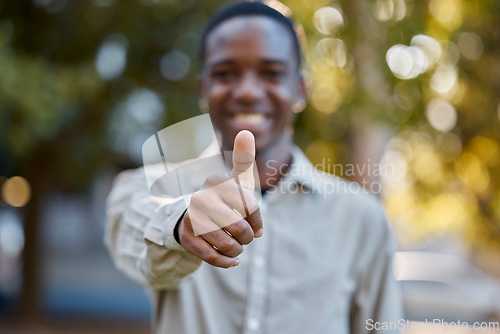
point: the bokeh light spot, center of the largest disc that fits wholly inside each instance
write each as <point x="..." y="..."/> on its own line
<point x="400" y="11"/>
<point x="334" y="50"/>
<point x="444" y="79"/>
<point x="447" y="12"/>
<point x="326" y="98"/>
<point x="441" y="115"/>
<point x="427" y="166"/>
<point x="11" y="234"/>
<point x="133" y="121"/>
<point x="387" y="10"/>
<point x="328" y="20"/>
<point x="383" y="9"/>
<point x="400" y="61"/>
<point x="429" y="45"/>
<point x="111" y="57"/>
<point x="470" y="45"/>
<point x="486" y="149"/>
<point x="175" y="65"/>
<point x="279" y="6"/>
<point x="144" y="105"/>
<point x="406" y="62"/>
<point x="444" y="212"/>
<point x="472" y="172"/>
<point x="394" y="161"/>
<point x="16" y="191"/>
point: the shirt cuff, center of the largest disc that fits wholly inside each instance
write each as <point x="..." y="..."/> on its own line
<point x="160" y="228"/>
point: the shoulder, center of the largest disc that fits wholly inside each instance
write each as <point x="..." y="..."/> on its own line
<point x="335" y="193"/>
<point x="349" y="193"/>
<point x="360" y="210"/>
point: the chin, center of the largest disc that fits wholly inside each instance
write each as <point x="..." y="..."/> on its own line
<point x="260" y="143"/>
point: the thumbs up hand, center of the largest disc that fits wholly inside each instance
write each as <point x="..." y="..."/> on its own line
<point x="224" y="215"/>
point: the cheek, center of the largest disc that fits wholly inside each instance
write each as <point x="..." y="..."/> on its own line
<point x="283" y="100"/>
<point x="216" y="94"/>
<point x="284" y="94"/>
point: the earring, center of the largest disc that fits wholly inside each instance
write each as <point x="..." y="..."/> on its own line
<point x="298" y="106"/>
<point x="203" y="105"/>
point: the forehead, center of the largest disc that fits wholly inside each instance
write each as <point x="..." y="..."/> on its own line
<point x="249" y="37"/>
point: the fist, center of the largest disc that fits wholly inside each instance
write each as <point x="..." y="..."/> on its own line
<point x="224" y="215"/>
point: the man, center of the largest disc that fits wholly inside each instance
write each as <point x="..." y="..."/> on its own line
<point x="314" y="260"/>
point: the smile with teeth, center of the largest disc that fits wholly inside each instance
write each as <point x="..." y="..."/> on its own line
<point x="250" y="118"/>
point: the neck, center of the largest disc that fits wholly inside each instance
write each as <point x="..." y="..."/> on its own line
<point x="273" y="162"/>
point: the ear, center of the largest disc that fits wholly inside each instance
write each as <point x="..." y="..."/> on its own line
<point x="299" y="103"/>
<point x="301" y="89"/>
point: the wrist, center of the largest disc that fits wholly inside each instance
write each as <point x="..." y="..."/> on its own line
<point x="176" y="228"/>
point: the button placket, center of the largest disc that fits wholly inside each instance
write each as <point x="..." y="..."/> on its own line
<point x="258" y="283"/>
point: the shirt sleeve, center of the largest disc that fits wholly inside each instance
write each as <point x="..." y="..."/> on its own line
<point x="377" y="303"/>
<point x="139" y="233"/>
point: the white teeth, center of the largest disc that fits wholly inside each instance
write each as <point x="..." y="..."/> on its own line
<point x="250" y="118"/>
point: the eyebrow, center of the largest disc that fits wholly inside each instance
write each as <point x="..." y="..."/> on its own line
<point x="267" y="61"/>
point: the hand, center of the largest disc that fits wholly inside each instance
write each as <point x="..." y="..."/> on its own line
<point x="224" y="215"/>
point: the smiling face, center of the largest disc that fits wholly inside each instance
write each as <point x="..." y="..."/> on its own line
<point x="250" y="79"/>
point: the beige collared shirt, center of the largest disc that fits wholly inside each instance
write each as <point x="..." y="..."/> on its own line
<point x="323" y="265"/>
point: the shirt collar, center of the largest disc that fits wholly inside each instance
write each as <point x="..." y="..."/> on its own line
<point x="301" y="172"/>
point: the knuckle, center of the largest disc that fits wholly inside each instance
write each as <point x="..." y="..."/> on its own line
<point x="196" y="198"/>
<point x="239" y="228"/>
<point x="191" y="247"/>
<point x="214" y="180"/>
<point x="210" y="257"/>
<point x="246" y="235"/>
<point x="226" y="246"/>
<point x="199" y="201"/>
<point x="247" y="239"/>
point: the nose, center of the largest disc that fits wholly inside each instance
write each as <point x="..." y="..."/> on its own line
<point x="249" y="89"/>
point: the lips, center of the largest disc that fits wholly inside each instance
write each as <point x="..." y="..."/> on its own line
<point x="255" y="122"/>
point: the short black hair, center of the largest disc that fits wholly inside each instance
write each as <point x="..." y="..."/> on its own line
<point x="246" y="8"/>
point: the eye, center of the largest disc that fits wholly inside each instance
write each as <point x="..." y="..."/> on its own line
<point x="223" y="74"/>
<point x="274" y="73"/>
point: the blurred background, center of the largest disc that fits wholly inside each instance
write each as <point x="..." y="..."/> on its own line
<point x="412" y="85"/>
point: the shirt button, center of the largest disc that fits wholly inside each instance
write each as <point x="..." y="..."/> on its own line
<point x="259" y="262"/>
<point x="253" y="324"/>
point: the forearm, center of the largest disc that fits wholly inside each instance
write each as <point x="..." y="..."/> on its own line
<point x="139" y="234"/>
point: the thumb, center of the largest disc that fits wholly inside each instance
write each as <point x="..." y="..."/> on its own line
<point x="243" y="159"/>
